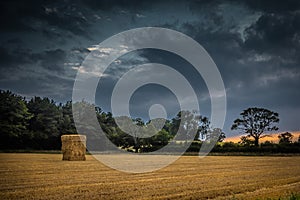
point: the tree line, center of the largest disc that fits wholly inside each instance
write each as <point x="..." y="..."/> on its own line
<point x="38" y="123"/>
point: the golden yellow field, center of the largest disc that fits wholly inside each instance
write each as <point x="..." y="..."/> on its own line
<point x="45" y="176"/>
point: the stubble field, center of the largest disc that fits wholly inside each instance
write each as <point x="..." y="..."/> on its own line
<point x="45" y="176"/>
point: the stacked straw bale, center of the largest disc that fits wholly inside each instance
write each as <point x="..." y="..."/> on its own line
<point x="73" y="147"/>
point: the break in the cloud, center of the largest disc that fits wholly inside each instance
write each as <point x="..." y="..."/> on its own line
<point x="255" y="44"/>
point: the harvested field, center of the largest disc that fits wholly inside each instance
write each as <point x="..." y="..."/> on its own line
<point x="46" y="176"/>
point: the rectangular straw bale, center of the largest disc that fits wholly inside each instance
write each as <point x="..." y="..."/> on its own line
<point x="73" y="147"/>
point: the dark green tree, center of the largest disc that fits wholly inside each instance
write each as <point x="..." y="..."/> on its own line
<point x="203" y="128"/>
<point x="144" y="138"/>
<point x="45" y="123"/>
<point x="161" y="139"/>
<point x="174" y="125"/>
<point x="67" y="125"/>
<point x="255" y="122"/>
<point x="192" y="122"/>
<point x="246" y="141"/>
<point x="167" y="126"/>
<point x="14" y="118"/>
<point x="130" y="138"/>
<point x="216" y="135"/>
<point x="285" y="138"/>
<point x="138" y="142"/>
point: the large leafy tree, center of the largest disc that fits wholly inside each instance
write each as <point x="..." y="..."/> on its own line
<point x="215" y="135"/>
<point x="14" y="118"/>
<point x="152" y="139"/>
<point x="285" y="137"/>
<point x="203" y="128"/>
<point x="192" y="123"/>
<point x="245" y="141"/>
<point x="133" y="140"/>
<point x="255" y="122"/>
<point x="66" y="125"/>
<point x="45" y="122"/>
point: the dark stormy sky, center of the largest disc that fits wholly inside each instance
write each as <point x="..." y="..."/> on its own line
<point x="255" y="44"/>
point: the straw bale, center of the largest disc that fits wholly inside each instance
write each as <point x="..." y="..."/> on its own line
<point x="73" y="147"/>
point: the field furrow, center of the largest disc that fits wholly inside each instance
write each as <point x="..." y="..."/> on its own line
<point x="45" y="176"/>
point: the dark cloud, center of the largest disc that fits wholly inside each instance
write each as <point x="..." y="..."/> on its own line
<point x="50" y="59"/>
<point x="34" y="15"/>
<point x="255" y="44"/>
<point x="45" y="86"/>
<point x="275" y="6"/>
<point x="269" y="6"/>
<point x="45" y="73"/>
<point x="14" y="58"/>
<point x="105" y="5"/>
<point x="274" y="32"/>
<point x="260" y="67"/>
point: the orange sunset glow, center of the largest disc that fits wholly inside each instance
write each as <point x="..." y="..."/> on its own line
<point x="272" y="138"/>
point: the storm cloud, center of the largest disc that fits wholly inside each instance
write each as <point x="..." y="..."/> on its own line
<point x="255" y="44"/>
